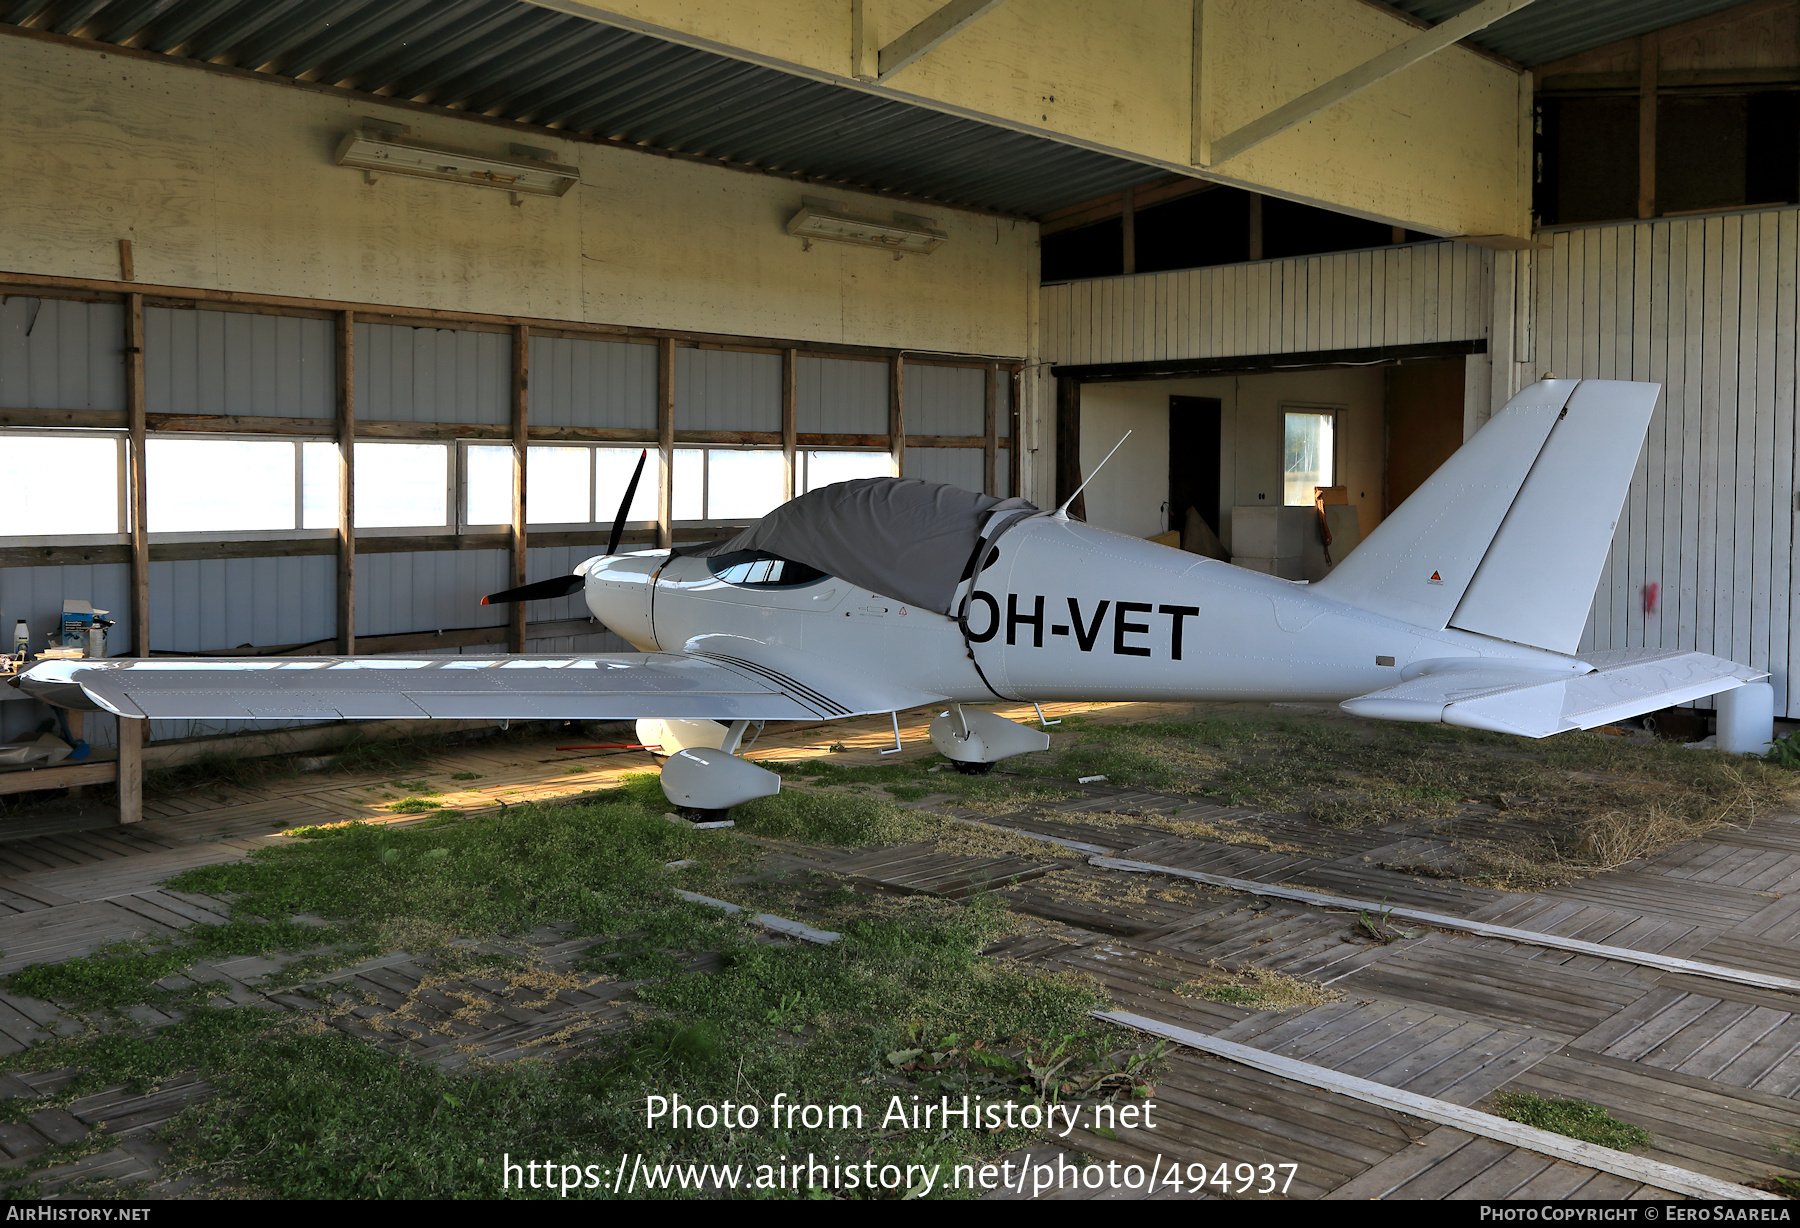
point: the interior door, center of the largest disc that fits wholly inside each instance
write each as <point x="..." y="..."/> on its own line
<point x="1194" y="424"/>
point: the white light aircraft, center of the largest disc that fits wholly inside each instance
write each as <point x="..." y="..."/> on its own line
<point x="1465" y="606"/>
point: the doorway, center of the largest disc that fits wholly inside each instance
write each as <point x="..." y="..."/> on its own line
<point x="1424" y="420"/>
<point x="1194" y="454"/>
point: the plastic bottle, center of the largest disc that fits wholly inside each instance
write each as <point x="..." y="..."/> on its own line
<point x="21" y="640"/>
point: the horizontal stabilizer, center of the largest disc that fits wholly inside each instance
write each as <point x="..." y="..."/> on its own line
<point x="1508" y="698"/>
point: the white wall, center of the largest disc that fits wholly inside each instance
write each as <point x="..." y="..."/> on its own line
<point x="1708" y="307"/>
<point x="226" y="183"/>
<point x="1129" y="493"/>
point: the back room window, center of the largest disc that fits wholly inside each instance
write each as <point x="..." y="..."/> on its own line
<point x="1309" y="456"/>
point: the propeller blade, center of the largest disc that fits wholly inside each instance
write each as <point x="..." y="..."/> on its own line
<point x="543" y="590"/>
<point x="618" y="530"/>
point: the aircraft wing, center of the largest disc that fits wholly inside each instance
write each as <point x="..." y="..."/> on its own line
<point x="618" y="686"/>
<point x="1506" y="698"/>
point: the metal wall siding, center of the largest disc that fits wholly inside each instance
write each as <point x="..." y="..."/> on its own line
<point x="723" y="390"/>
<point x="1418" y="293"/>
<point x="544" y="562"/>
<point x="406" y="374"/>
<point x="592" y="383"/>
<point x="603" y="641"/>
<point x="957" y="466"/>
<point x="840" y="396"/>
<point x="61" y="354"/>
<point x="205" y="604"/>
<point x="1707" y="308"/>
<point x="428" y="591"/>
<point x="945" y="400"/>
<point x="237" y="363"/>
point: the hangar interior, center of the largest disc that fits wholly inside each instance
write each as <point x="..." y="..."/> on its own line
<point x="317" y="326"/>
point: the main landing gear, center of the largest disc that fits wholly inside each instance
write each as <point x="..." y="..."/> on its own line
<point x="703" y="774"/>
<point x="974" y="740"/>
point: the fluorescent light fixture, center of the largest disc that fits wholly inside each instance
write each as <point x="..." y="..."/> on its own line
<point x="824" y="219"/>
<point x="372" y="150"/>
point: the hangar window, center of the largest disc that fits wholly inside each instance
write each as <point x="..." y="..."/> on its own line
<point x="210" y="486"/>
<point x="487" y="484"/>
<point x="215" y="485"/>
<point x="403" y="485"/>
<point x="727" y="483"/>
<point x="61" y="485"/>
<point x="612" y="474"/>
<point x="568" y="484"/>
<point x="319" y="485"/>
<point x="823" y="468"/>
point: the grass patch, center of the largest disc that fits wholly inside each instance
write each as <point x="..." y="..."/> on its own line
<point x="465" y="776"/>
<point x="904" y="1004"/>
<point x="414" y="805"/>
<point x="124" y="973"/>
<point x="217" y="771"/>
<point x="1576" y="1118"/>
<point x="842" y="820"/>
<point x="1257" y="989"/>
<point x="1563" y="807"/>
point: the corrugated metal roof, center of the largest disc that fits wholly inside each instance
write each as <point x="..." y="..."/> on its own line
<point x="1549" y="30"/>
<point x="519" y="61"/>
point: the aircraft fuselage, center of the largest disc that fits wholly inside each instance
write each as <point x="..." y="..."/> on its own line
<point x="1060" y="611"/>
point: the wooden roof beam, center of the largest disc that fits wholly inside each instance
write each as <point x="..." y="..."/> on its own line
<point x="944" y="23"/>
<point x="1383" y="66"/>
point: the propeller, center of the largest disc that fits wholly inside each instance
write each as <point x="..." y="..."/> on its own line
<point x="543" y="590"/>
<point x="567" y="586"/>
<point x="612" y="543"/>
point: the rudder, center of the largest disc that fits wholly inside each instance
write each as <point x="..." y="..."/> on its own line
<point x="1419" y="562"/>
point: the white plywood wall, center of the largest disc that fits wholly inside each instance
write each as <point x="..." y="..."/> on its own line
<point x="1405" y="295"/>
<point x="1705" y="307"/>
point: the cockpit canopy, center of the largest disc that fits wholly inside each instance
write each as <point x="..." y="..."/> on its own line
<point x="904" y="538"/>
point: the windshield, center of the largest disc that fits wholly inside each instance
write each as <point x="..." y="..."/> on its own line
<point x="760" y="569"/>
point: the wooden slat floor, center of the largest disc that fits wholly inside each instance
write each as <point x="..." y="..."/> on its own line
<point x="1712" y="1069"/>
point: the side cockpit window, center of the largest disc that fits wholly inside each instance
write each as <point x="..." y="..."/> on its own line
<point x="759" y="569"/>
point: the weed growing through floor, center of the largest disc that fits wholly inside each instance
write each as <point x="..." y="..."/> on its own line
<point x="1257" y="989"/>
<point x="414" y="805"/>
<point x="1576" y="1118"/>
<point x="302" y="1110"/>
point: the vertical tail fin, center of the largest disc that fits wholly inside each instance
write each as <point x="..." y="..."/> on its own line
<point x="1509" y="536"/>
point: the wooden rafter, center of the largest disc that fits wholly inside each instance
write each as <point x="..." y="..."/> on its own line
<point x="1419" y="47"/>
<point x="943" y="23"/>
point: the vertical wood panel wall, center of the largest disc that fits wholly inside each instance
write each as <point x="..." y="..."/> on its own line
<point x="1705" y="307"/>
<point x="1404" y="295"/>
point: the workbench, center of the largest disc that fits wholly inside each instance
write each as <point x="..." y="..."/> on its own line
<point x="124" y="767"/>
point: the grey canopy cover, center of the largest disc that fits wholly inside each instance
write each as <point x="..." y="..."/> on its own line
<point x="904" y="538"/>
